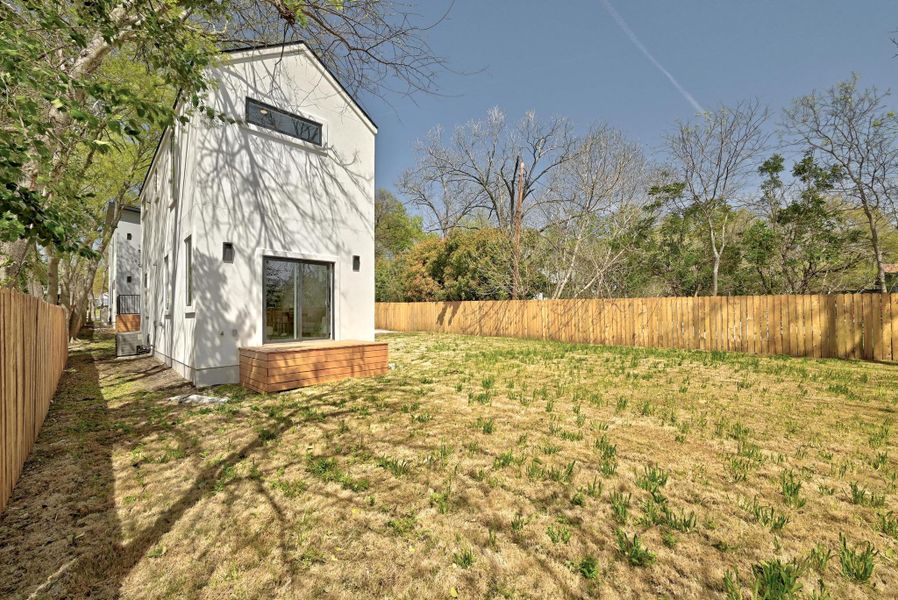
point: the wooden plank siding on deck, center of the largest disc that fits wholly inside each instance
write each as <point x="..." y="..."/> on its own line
<point x="279" y="367"/>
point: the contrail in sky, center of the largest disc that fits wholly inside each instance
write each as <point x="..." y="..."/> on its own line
<point x="630" y="34"/>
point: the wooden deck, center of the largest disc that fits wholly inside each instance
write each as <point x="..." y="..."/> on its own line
<point x="279" y="367"/>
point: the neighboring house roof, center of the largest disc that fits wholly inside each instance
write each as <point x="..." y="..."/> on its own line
<point x="890" y="267"/>
<point x="248" y="50"/>
<point x="110" y="206"/>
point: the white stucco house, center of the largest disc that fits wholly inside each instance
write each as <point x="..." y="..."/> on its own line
<point x="123" y="265"/>
<point x="260" y="231"/>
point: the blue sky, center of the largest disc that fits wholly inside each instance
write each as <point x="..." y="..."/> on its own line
<point x="570" y="58"/>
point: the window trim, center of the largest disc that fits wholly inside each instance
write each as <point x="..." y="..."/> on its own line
<point x="174" y="168"/>
<point x="294" y="138"/>
<point x="188" y="272"/>
<point x="297" y="291"/>
<point x="166" y="282"/>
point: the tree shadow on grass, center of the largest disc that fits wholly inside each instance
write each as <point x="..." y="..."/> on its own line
<point x="63" y="506"/>
<point x="61" y="536"/>
<point x="84" y="537"/>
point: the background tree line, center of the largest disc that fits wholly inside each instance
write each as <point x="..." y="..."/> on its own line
<point x="741" y="202"/>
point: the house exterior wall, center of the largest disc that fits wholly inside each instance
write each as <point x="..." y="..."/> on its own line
<point x="268" y="195"/>
<point x="124" y="258"/>
<point x="167" y="326"/>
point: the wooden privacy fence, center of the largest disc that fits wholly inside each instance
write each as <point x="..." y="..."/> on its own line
<point x="862" y="326"/>
<point x="33" y="353"/>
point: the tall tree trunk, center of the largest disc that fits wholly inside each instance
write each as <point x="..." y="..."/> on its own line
<point x="12" y="273"/>
<point x="877" y="249"/>
<point x="517" y="221"/>
<point x="53" y="278"/>
<point x="716" y="251"/>
<point x="575" y="254"/>
<point x="6" y="252"/>
<point x="80" y="293"/>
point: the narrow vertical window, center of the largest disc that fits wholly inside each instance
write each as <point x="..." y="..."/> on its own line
<point x="175" y="163"/>
<point x="165" y="284"/>
<point x="188" y="269"/>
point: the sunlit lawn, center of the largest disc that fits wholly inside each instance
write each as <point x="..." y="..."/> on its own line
<point x="477" y="468"/>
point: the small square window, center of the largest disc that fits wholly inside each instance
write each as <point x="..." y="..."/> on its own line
<point x="356" y="263"/>
<point x="129" y="236"/>
<point x="227" y="252"/>
<point x="128" y="279"/>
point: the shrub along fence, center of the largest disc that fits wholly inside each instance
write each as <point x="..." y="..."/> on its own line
<point x="861" y="326"/>
<point x="33" y="353"/>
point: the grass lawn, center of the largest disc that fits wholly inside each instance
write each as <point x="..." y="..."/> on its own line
<point x="477" y="468"/>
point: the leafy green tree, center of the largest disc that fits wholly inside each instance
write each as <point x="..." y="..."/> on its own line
<point x="395" y="231"/>
<point x="678" y="258"/>
<point x="419" y="272"/>
<point x="60" y="109"/>
<point x="806" y="242"/>
<point x="478" y="265"/>
<point x="711" y="159"/>
<point x="469" y="264"/>
<point x="853" y="131"/>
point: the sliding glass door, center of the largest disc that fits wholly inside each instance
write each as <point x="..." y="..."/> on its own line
<point x="298" y="300"/>
<point x="280" y="300"/>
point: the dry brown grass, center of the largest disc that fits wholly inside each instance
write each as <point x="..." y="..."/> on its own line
<point x="477" y="468"/>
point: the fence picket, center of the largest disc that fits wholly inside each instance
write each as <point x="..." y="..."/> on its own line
<point x="33" y="352"/>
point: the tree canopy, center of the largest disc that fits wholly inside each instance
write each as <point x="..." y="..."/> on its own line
<point x="721" y="211"/>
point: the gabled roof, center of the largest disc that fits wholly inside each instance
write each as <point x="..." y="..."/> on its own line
<point x="248" y="50"/>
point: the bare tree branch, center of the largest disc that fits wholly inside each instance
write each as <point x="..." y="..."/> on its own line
<point x="853" y="130"/>
<point x="712" y="159"/>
